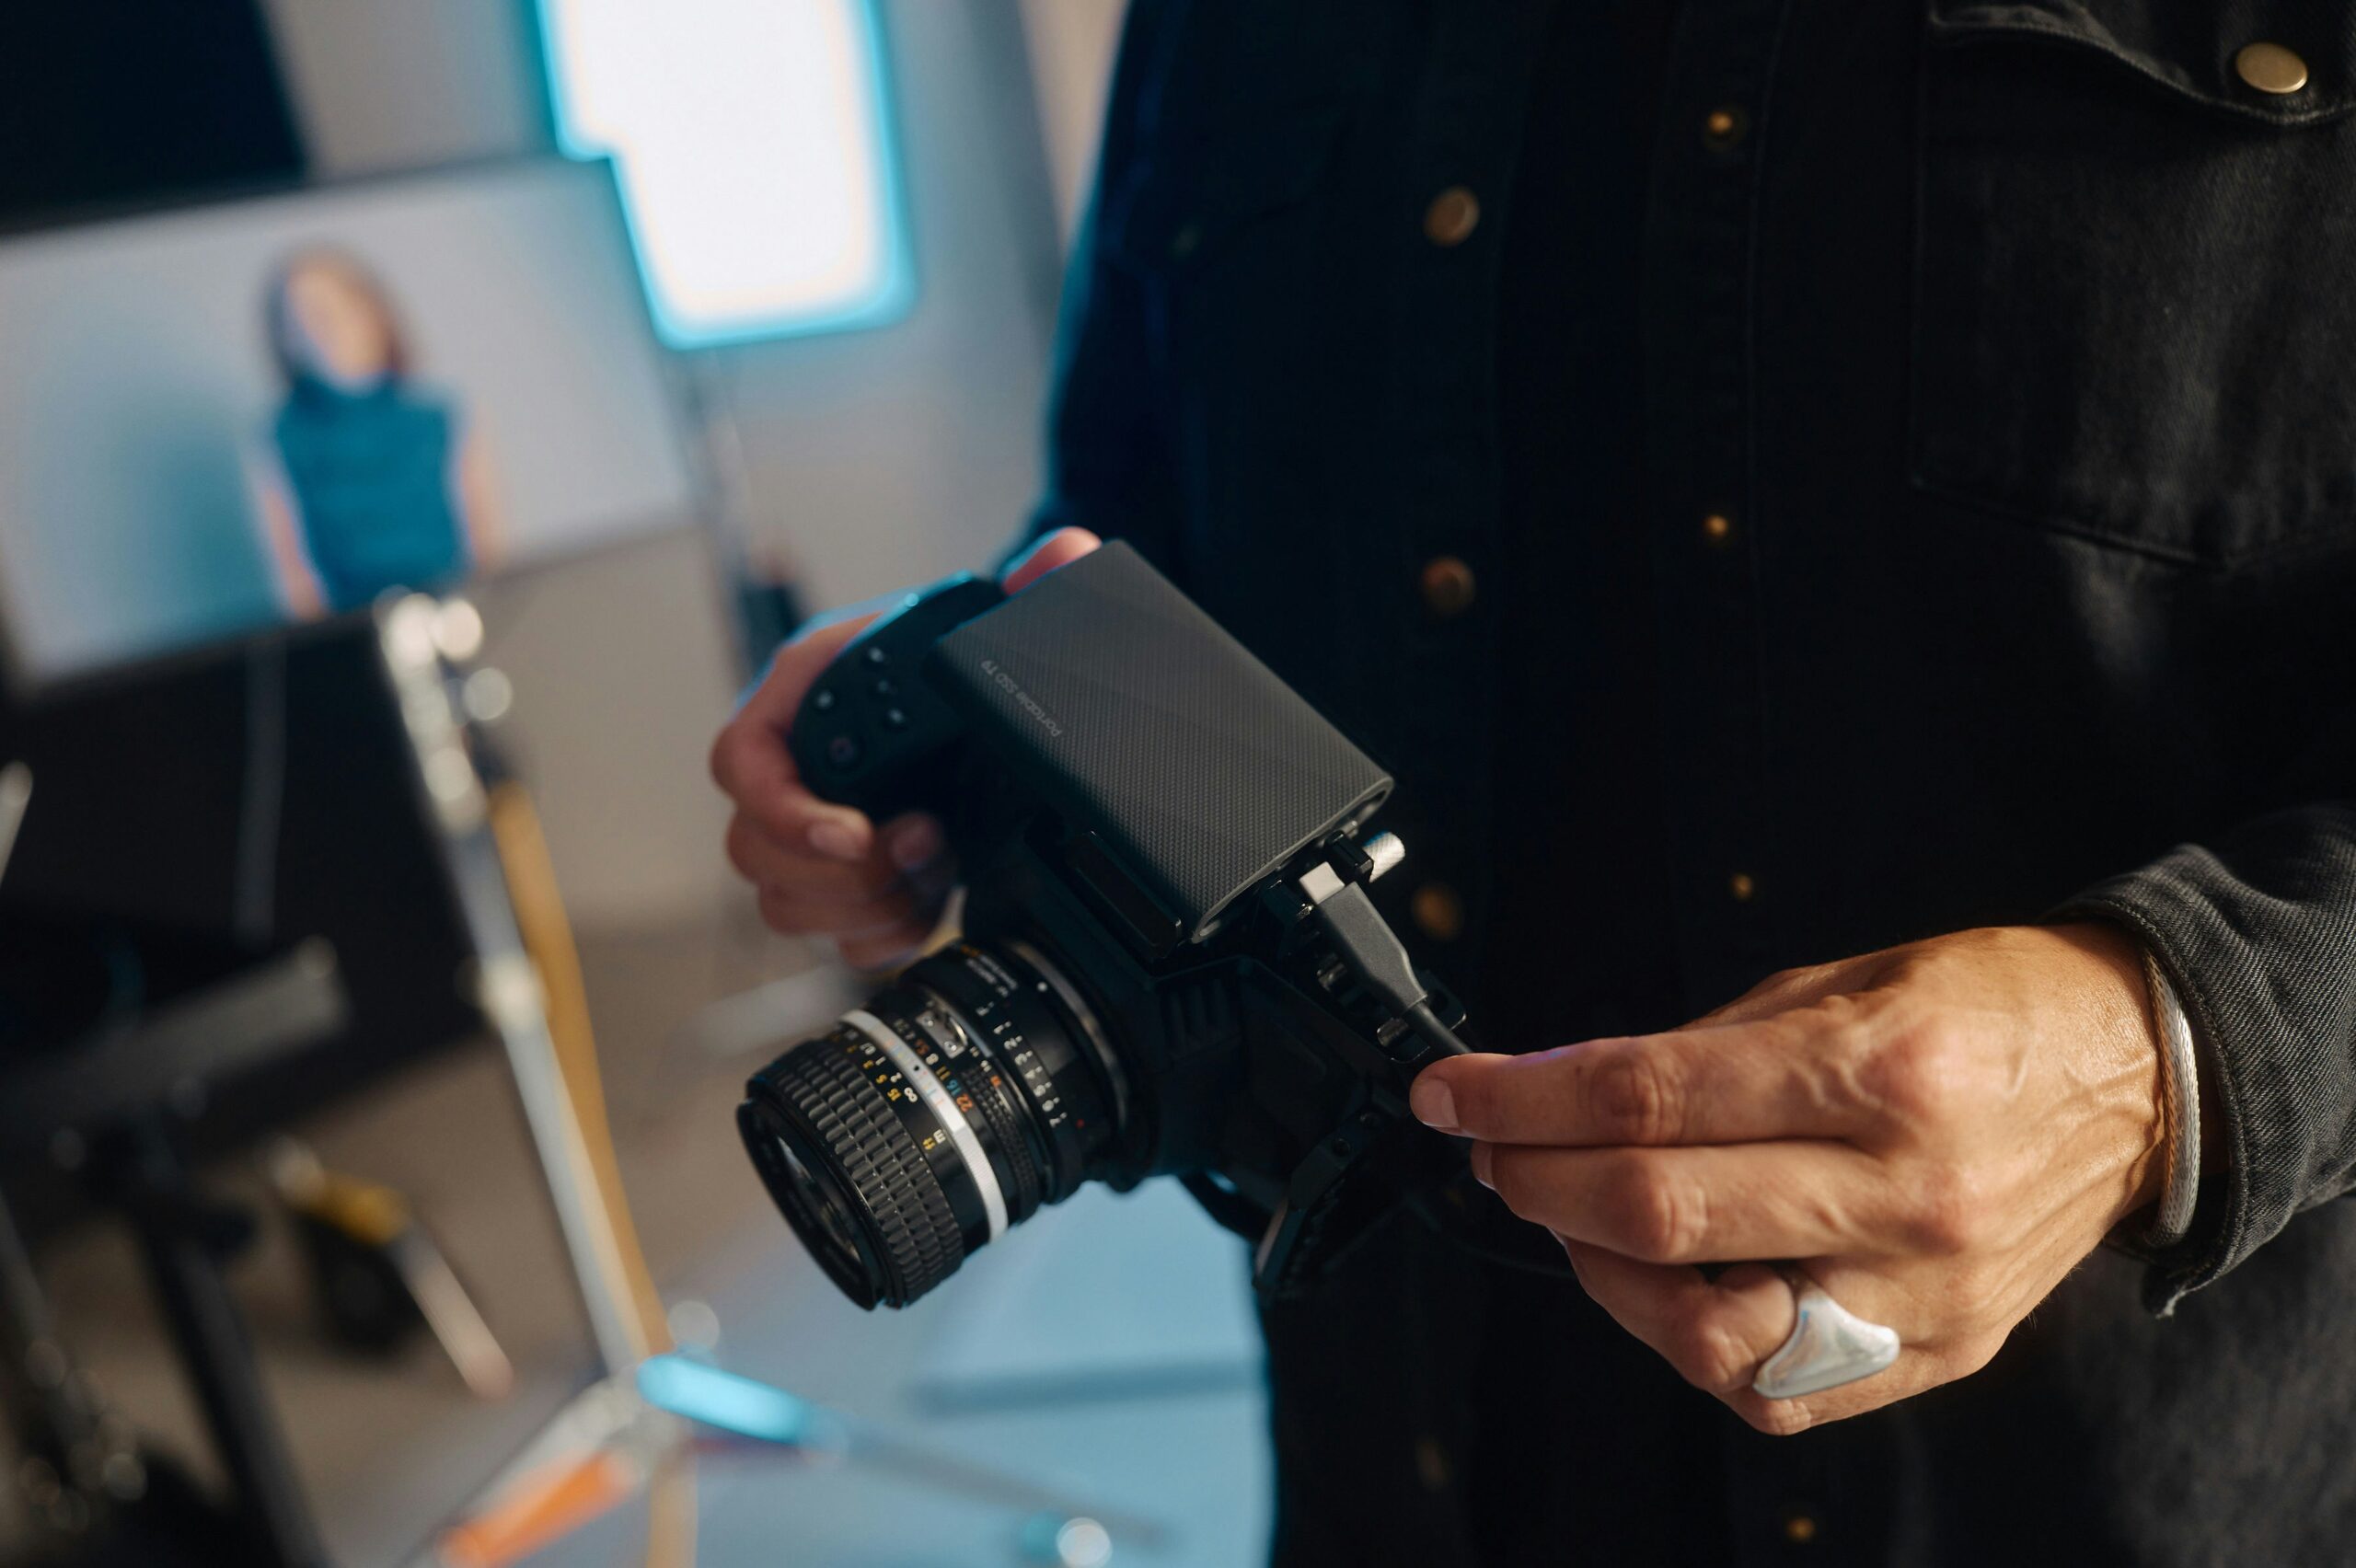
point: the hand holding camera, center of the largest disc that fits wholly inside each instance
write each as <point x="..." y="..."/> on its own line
<point x="1169" y="960"/>
<point x="824" y="869"/>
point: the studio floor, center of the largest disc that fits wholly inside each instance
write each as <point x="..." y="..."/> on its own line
<point x="1104" y="1364"/>
<point x="1102" y="1359"/>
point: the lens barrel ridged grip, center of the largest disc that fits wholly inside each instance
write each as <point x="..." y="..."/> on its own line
<point x="864" y="1139"/>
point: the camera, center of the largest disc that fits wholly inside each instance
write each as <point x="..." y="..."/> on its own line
<point x="1168" y="961"/>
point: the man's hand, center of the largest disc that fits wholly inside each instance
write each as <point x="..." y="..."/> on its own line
<point x="822" y="869"/>
<point x="1937" y="1134"/>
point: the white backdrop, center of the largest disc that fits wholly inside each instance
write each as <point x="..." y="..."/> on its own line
<point x="134" y="376"/>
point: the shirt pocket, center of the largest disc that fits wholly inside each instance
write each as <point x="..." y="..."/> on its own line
<point x="2135" y="273"/>
<point x="1190" y="198"/>
<point x="1231" y="233"/>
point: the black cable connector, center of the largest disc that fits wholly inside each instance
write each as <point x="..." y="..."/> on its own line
<point x="1434" y="1033"/>
<point x="1374" y="954"/>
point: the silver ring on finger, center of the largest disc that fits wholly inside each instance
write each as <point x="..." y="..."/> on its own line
<point x="1828" y="1346"/>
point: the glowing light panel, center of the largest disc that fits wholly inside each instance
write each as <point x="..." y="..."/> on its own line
<point x="752" y="141"/>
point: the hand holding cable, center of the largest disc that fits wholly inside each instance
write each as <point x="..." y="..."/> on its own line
<point x="1935" y="1135"/>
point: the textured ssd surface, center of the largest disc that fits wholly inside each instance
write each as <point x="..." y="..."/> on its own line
<point x="1134" y="714"/>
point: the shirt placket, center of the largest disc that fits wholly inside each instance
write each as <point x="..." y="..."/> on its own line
<point x="1444" y="404"/>
<point x="1701" y="233"/>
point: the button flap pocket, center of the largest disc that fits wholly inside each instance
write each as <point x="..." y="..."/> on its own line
<point x="2131" y="251"/>
<point x="2278" y="61"/>
<point x="1187" y="195"/>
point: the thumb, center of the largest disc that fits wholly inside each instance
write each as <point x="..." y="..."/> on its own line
<point x="1061" y="547"/>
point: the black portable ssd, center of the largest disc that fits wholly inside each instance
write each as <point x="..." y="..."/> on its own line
<point x="1140" y="721"/>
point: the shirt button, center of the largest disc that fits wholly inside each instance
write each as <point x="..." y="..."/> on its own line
<point x="1431" y="1464"/>
<point x="1454" y="213"/>
<point x="1723" y="128"/>
<point x="1741" y="887"/>
<point x="2271" y="68"/>
<point x="1438" y="912"/>
<point x="1717" y="527"/>
<point x="1447" y="586"/>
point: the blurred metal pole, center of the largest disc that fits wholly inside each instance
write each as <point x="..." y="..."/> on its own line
<point x="16" y="797"/>
<point x="507" y="986"/>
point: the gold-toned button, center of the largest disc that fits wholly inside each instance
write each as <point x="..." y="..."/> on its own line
<point x="1438" y="912"/>
<point x="2271" y="68"/>
<point x="1431" y="1464"/>
<point x="1723" y="128"/>
<point x="1447" y="586"/>
<point x="1717" y="527"/>
<point x="1742" y="887"/>
<point x="1454" y="213"/>
<point x="1799" y="1529"/>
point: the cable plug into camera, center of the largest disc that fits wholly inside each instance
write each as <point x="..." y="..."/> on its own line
<point x="1370" y="949"/>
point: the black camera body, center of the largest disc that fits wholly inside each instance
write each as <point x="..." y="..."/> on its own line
<point x="1169" y="963"/>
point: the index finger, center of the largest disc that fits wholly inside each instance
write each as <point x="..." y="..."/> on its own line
<point x="1733" y="1083"/>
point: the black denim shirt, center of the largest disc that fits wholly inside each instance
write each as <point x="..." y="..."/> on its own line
<point x="1996" y="474"/>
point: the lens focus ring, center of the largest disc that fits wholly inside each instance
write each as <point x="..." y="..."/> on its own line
<point x="863" y="1138"/>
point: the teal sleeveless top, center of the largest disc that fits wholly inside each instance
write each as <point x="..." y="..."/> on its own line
<point x="370" y="472"/>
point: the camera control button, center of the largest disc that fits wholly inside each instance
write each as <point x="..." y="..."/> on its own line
<point x="844" y="752"/>
<point x="896" y="719"/>
<point x="886" y="688"/>
<point x="825" y="700"/>
<point x="876" y="657"/>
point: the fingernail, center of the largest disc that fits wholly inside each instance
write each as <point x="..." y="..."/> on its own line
<point x="1481" y="1166"/>
<point x="833" y="840"/>
<point x="915" y="844"/>
<point x="1433" y="1106"/>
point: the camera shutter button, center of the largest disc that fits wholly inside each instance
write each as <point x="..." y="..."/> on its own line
<point x="844" y="751"/>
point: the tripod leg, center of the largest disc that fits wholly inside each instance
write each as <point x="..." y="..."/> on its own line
<point x="211" y="1337"/>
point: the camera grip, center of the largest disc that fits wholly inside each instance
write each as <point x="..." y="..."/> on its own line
<point x="870" y="729"/>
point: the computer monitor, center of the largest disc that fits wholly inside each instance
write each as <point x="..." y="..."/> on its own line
<point x="222" y="418"/>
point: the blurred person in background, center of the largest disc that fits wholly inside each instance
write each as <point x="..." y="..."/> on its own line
<point x="367" y="481"/>
<point x="1776" y="483"/>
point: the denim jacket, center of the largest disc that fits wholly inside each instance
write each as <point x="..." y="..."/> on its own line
<point x="2012" y="348"/>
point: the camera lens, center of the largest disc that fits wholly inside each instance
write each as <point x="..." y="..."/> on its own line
<point x="921" y="1126"/>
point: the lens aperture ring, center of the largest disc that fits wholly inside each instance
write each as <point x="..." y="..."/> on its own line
<point x="993" y="1104"/>
<point x="833" y="1099"/>
<point x="1052" y="1077"/>
<point x="980" y="1086"/>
